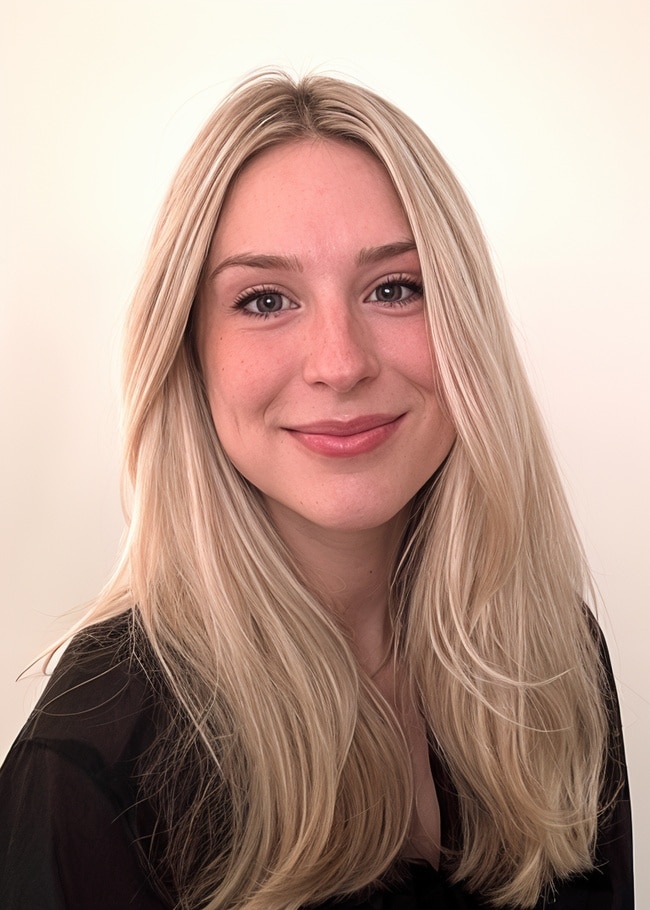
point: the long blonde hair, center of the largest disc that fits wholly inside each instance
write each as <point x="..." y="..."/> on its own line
<point x="285" y="778"/>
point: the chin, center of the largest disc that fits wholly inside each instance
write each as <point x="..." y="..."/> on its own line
<point x="341" y="518"/>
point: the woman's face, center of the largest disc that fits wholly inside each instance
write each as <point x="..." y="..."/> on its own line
<point x="312" y="340"/>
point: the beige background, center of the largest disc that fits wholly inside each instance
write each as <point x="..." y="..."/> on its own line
<point x="542" y="108"/>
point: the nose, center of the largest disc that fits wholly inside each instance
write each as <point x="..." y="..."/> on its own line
<point x="339" y="349"/>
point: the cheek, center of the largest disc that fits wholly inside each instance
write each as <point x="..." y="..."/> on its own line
<point x="420" y="367"/>
<point x="411" y="352"/>
<point x="242" y="381"/>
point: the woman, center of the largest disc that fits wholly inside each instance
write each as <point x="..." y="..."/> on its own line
<point x="345" y="659"/>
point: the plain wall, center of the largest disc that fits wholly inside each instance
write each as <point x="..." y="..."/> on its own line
<point x="542" y="109"/>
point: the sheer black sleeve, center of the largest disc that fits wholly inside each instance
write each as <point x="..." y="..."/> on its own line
<point x="66" y="842"/>
<point x="73" y="829"/>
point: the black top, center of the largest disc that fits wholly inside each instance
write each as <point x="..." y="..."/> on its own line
<point x="74" y="833"/>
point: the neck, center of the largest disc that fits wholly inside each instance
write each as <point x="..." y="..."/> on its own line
<point x="351" y="570"/>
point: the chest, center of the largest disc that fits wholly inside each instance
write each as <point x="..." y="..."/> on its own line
<point x="424" y="834"/>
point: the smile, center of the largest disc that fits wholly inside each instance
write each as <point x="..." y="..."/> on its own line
<point x="345" y="439"/>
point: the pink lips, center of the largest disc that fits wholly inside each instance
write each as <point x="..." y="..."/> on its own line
<point x="345" y="438"/>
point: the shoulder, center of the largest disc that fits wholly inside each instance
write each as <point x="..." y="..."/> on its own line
<point x="101" y="698"/>
<point x="72" y="812"/>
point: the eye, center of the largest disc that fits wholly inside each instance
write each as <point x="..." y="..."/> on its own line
<point x="263" y="303"/>
<point x="397" y="290"/>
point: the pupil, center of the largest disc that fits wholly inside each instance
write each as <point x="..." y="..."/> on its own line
<point x="389" y="292"/>
<point x="268" y="303"/>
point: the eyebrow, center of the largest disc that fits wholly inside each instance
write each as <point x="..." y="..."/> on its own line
<point x="372" y="254"/>
<point x="258" y="261"/>
<point x="366" y="256"/>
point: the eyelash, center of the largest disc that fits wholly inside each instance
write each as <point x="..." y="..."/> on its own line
<point x="247" y="297"/>
<point x="400" y="280"/>
<point x="241" y="302"/>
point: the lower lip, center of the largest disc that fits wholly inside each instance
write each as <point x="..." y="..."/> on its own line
<point x="347" y="446"/>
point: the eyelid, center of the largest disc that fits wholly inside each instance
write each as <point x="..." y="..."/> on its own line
<point x="248" y="296"/>
<point x="410" y="281"/>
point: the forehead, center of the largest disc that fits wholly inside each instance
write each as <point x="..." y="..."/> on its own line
<point x="314" y="158"/>
<point x="309" y="188"/>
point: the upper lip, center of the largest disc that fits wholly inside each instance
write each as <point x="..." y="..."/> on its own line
<point x="345" y="427"/>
